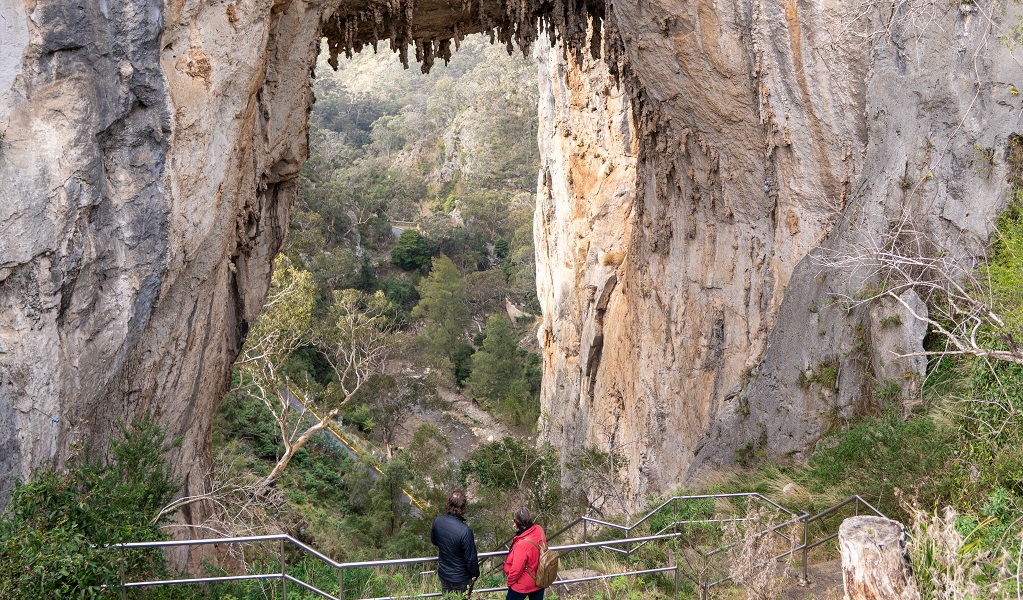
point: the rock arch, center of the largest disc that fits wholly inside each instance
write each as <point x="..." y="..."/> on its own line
<point x="148" y="150"/>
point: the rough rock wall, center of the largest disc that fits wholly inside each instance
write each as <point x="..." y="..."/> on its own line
<point x="582" y="229"/>
<point x="767" y="133"/>
<point x="148" y="155"/>
<point x="149" y="151"/>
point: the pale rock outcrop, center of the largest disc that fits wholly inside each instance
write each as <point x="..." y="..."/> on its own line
<point x="581" y="227"/>
<point x="149" y="154"/>
<point x="770" y="136"/>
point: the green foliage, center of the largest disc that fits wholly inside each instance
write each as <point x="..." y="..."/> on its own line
<point x="697" y="515"/>
<point x="287" y="315"/>
<point x="825" y="374"/>
<point x="1003" y="272"/>
<point x="877" y="455"/>
<point x="501" y="248"/>
<point x="391" y="400"/>
<point x="55" y="529"/>
<point x="360" y="416"/>
<point x="442" y="304"/>
<point x="400" y="293"/>
<point x="496" y="371"/>
<point x="510" y="472"/>
<point x="485" y="211"/>
<point x="428" y="456"/>
<point x="990" y="426"/>
<point x="487" y="291"/>
<point x="891" y="321"/>
<point x="887" y="391"/>
<point x="461" y="360"/>
<point x="411" y="252"/>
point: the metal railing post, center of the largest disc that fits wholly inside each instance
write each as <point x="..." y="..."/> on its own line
<point x="340" y="583"/>
<point x="628" y="535"/>
<point x="676" y="574"/>
<point x="586" y="554"/>
<point x="284" y="574"/>
<point x="120" y="567"/>
<point x="806" y="544"/>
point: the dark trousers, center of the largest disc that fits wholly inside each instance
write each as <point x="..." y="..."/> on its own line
<point x="460" y="588"/>
<point x="513" y="595"/>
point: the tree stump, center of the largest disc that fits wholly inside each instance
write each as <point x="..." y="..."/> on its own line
<point x="875" y="565"/>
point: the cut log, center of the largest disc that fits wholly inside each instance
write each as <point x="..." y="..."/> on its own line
<point x="875" y="565"/>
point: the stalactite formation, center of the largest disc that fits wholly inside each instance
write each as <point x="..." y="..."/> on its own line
<point x="432" y="30"/>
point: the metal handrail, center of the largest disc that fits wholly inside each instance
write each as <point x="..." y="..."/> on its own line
<point x="284" y="577"/>
<point x="631" y="544"/>
<point x="674" y="499"/>
<point x="807" y="546"/>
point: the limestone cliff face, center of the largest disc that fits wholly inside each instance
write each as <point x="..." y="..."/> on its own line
<point x="149" y="149"/>
<point x="148" y="155"/>
<point x="685" y="314"/>
<point x="583" y="226"/>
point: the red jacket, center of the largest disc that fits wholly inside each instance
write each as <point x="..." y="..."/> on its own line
<point x="523" y="553"/>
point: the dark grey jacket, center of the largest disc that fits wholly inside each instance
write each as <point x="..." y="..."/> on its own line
<point x="457" y="561"/>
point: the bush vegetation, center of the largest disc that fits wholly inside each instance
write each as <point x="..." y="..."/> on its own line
<point x="56" y="530"/>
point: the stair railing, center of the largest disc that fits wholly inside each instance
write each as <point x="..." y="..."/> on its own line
<point x="626" y="546"/>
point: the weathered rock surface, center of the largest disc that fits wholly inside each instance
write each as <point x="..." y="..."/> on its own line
<point x="148" y="154"/>
<point x="148" y="151"/>
<point x="582" y="226"/>
<point x="768" y="136"/>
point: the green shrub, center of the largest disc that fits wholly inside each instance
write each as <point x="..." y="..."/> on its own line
<point x="55" y="529"/>
<point x="880" y="454"/>
<point x="412" y="251"/>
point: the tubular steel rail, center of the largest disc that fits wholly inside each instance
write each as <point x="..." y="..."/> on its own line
<point x="631" y="545"/>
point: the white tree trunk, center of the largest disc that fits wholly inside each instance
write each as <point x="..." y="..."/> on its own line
<point x="875" y="565"/>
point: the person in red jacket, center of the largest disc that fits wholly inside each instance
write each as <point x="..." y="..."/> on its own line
<point x="524" y="557"/>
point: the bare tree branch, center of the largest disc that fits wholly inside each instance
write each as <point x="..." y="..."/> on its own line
<point x="959" y="303"/>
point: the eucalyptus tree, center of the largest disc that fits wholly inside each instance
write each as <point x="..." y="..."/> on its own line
<point x="355" y="342"/>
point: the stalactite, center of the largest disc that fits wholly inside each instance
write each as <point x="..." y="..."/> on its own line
<point x="510" y="22"/>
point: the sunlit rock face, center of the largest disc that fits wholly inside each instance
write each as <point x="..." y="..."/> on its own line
<point x="688" y="315"/>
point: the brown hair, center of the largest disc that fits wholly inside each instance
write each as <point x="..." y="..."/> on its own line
<point x="456" y="503"/>
<point x="522" y="518"/>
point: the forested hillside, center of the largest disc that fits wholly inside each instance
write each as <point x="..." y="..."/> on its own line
<point x="402" y="306"/>
<point x="453" y="152"/>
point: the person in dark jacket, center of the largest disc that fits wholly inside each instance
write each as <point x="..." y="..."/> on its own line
<point x="524" y="557"/>
<point x="457" y="563"/>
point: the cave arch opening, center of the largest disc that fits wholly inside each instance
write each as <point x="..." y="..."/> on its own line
<point x="447" y="153"/>
<point x="175" y="154"/>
